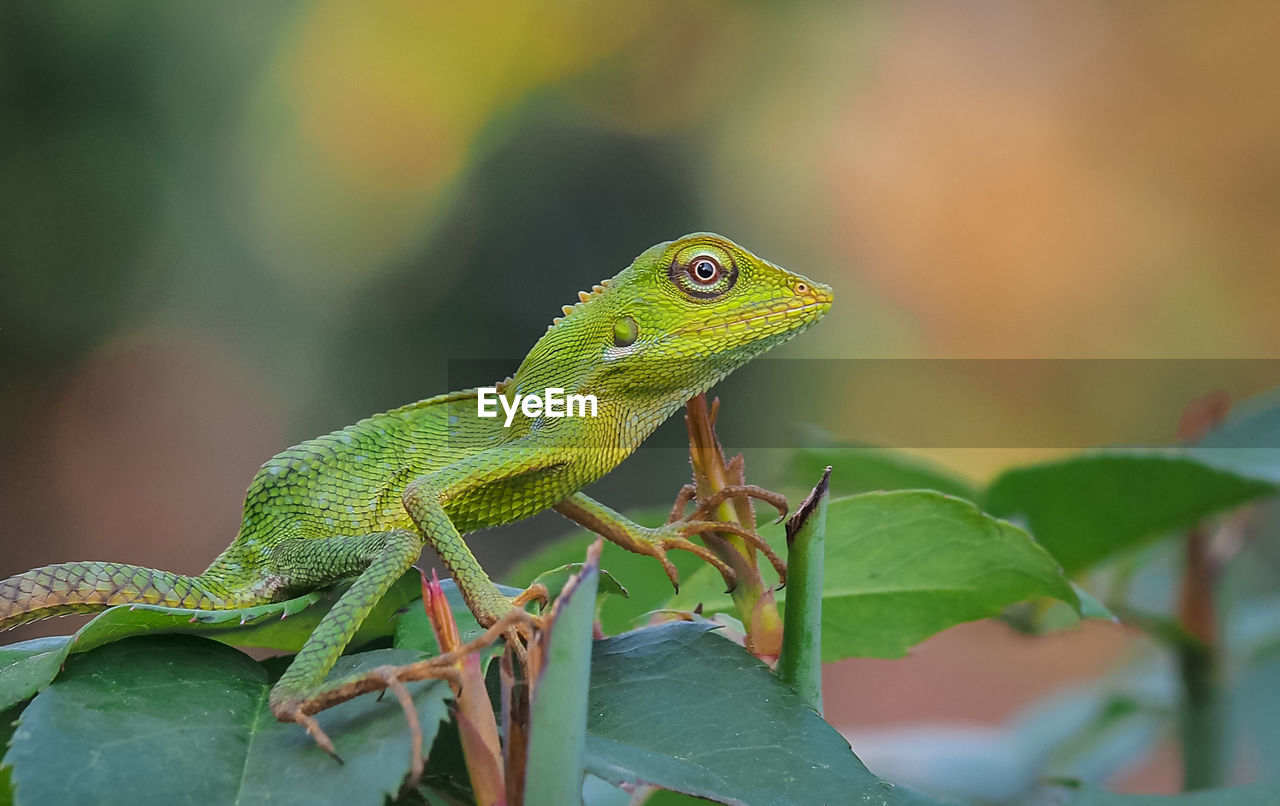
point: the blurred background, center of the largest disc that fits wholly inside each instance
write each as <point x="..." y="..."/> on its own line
<point x="230" y="227"/>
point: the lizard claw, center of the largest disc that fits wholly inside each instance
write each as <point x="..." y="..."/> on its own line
<point x="389" y="675"/>
<point x="296" y="713"/>
<point x="676" y="536"/>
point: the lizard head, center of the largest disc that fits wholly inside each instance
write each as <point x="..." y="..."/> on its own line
<point x="682" y="316"/>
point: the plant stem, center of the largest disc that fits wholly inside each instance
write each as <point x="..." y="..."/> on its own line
<point x="1202" y="731"/>
<point x="800" y="663"/>
<point x="755" y="602"/>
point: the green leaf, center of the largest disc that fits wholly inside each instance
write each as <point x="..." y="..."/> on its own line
<point x="679" y="707"/>
<point x="27" y="667"/>
<point x="557" y="578"/>
<point x="1092" y="607"/>
<point x="126" y="621"/>
<point x="800" y="664"/>
<point x="178" y="719"/>
<point x="1045" y="616"/>
<point x="281" y="625"/>
<point x="861" y="469"/>
<point x="904" y="565"/>
<point x="558" y="705"/>
<point x="1089" y="507"/>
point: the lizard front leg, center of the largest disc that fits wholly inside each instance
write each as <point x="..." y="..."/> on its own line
<point x="617" y="528"/>
<point x="423" y="500"/>
<point x="379" y="559"/>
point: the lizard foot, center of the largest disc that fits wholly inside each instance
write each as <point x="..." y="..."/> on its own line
<point x="676" y="535"/>
<point x="520" y="634"/>
<point x="300" y="709"/>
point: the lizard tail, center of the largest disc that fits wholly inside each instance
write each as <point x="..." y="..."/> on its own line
<point x="57" y="590"/>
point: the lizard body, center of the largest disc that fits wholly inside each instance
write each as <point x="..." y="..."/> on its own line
<point x="361" y="502"/>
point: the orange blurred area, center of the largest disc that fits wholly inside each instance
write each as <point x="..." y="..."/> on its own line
<point x="225" y="233"/>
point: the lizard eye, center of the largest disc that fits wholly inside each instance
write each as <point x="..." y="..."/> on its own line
<point x="705" y="270"/>
<point x="702" y="275"/>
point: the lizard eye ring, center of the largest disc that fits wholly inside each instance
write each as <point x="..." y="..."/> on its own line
<point x="705" y="270"/>
<point x="704" y="275"/>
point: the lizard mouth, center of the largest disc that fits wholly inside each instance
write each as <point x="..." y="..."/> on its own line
<point x="792" y="315"/>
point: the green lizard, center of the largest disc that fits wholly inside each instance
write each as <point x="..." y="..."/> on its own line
<point x="361" y="502"/>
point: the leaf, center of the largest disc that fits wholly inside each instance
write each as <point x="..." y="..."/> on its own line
<point x="178" y="719"/>
<point x="901" y="566"/>
<point x="1089" y="732"/>
<point x="1050" y="615"/>
<point x="281" y="625"/>
<point x="861" y="469"/>
<point x="557" y="578"/>
<point x="558" y="707"/>
<point x="679" y="707"/>
<point x="800" y="663"/>
<point x="1089" y="507"/>
<point x="27" y="667"/>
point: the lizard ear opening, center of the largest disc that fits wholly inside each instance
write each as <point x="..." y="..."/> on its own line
<point x="625" y="332"/>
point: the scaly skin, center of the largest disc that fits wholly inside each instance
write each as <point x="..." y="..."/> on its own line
<point x="361" y="502"/>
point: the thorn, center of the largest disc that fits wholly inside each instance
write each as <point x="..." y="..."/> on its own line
<point x="597" y="288"/>
<point x="583" y="296"/>
<point x="568" y="309"/>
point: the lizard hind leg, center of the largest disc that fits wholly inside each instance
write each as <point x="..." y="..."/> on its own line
<point x="87" y="587"/>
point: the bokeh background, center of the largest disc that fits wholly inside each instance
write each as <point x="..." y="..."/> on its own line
<point x="229" y="227"/>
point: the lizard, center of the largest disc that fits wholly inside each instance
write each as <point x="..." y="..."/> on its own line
<point x="361" y="502"/>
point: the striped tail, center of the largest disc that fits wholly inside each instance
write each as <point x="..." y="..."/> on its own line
<point x="57" y="590"/>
